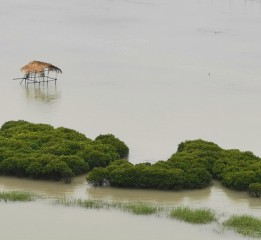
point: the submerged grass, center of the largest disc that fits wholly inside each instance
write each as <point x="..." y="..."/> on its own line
<point x="135" y="208"/>
<point x="140" y="208"/>
<point x="245" y="225"/>
<point x="16" y="196"/>
<point x="195" y="216"/>
<point x="89" y="204"/>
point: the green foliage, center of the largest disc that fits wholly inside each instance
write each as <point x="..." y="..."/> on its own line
<point x="254" y="189"/>
<point x="245" y="225"/>
<point x="89" y="204"/>
<point x="199" y="145"/>
<point x="234" y="168"/>
<point x="97" y="176"/>
<point x="192" y="166"/>
<point x="182" y="170"/>
<point x="197" y="178"/>
<point x="195" y="216"/>
<point x="57" y="169"/>
<point x="75" y="163"/>
<point x="238" y="180"/>
<point x="140" y="208"/>
<point x="41" y="151"/>
<point x="124" y="174"/>
<point x="16" y="196"/>
<point x="97" y="154"/>
<point x="120" y="147"/>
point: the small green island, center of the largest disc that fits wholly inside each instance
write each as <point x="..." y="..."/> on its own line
<point x="195" y="164"/>
<point x="40" y="151"/>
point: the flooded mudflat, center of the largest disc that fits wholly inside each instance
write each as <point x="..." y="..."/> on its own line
<point x="52" y="222"/>
<point x="42" y="219"/>
<point x="222" y="200"/>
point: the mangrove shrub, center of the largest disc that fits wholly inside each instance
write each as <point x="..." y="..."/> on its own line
<point x="42" y="151"/>
<point x="254" y="189"/>
<point x="194" y="165"/>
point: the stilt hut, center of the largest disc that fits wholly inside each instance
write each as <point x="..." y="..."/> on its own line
<point x="38" y="72"/>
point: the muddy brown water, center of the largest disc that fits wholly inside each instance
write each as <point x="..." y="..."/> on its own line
<point x="152" y="72"/>
<point x="216" y="196"/>
<point x="42" y="219"/>
<point x="39" y="221"/>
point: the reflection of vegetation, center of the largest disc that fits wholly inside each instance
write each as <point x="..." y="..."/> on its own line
<point x="195" y="216"/>
<point x="245" y="225"/>
<point x="192" y="166"/>
<point x="41" y="151"/>
<point x="16" y="196"/>
<point x="41" y="93"/>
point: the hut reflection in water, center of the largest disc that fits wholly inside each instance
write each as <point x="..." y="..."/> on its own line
<point x="42" y="93"/>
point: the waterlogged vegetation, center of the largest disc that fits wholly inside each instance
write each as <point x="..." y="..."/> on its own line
<point x="15" y="196"/>
<point x="140" y="208"/>
<point x="194" y="165"/>
<point x="254" y="189"/>
<point x="137" y="208"/>
<point x="195" y="216"/>
<point x="157" y="176"/>
<point x="89" y="204"/>
<point x="245" y="225"/>
<point x="42" y="151"/>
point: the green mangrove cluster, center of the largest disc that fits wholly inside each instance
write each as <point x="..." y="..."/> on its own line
<point x="194" y="165"/>
<point x="42" y="151"/>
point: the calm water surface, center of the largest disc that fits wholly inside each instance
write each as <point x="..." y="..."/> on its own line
<point x="41" y="219"/>
<point x="223" y="200"/>
<point x="49" y="222"/>
<point x="152" y="72"/>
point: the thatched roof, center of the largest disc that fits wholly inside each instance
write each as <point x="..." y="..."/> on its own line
<point x="37" y="67"/>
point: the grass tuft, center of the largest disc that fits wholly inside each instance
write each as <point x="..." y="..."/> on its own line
<point x="16" y="196"/>
<point x="94" y="204"/>
<point x="89" y="204"/>
<point x="245" y="225"/>
<point x="140" y="208"/>
<point x="135" y="208"/>
<point x="195" y="216"/>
